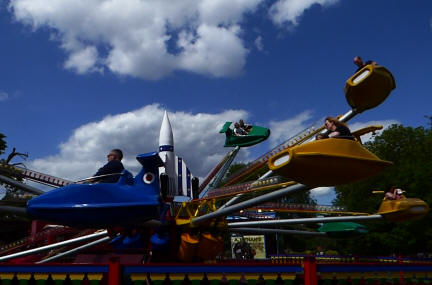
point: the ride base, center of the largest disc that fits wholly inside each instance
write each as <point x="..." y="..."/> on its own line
<point x="288" y="269"/>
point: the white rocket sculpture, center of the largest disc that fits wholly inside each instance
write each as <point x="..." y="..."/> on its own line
<point x="174" y="166"/>
<point x="166" y="153"/>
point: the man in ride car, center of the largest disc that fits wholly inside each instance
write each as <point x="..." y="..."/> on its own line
<point x="114" y="166"/>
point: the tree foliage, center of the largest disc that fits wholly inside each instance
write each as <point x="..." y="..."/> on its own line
<point x="410" y="149"/>
<point x="2" y="143"/>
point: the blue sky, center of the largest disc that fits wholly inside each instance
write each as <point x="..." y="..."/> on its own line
<point x="80" y="77"/>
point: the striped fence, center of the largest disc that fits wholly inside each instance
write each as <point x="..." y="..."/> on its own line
<point x="308" y="271"/>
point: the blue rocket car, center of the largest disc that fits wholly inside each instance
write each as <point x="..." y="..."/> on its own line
<point x="130" y="201"/>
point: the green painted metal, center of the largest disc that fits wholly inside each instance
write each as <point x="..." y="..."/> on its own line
<point x="256" y="135"/>
<point x="343" y="229"/>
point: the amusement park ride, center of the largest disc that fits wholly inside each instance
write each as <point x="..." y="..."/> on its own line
<point x="163" y="212"/>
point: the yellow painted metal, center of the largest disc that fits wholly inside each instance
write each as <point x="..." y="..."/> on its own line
<point x="369" y="129"/>
<point x="177" y="276"/>
<point x="7" y="276"/>
<point x="209" y="246"/>
<point x="140" y="277"/>
<point x="94" y="276"/>
<point x="41" y="276"/>
<point x="158" y="276"/>
<point x="327" y="162"/>
<point x="403" y="209"/>
<point x="214" y="276"/>
<point x="23" y="276"/>
<point x="192" y="209"/>
<point x="288" y="276"/>
<point x="76" y="276"/>
<point x="369" y="87"/>
<point x="188" y="247"/>
<point x="58" y="276"/>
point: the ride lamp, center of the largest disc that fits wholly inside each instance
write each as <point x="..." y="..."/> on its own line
<point x="359" y="78"/>
<point x="281" y="160"/>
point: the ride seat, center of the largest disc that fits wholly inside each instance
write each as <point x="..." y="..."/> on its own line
<point x="126" y="178"/>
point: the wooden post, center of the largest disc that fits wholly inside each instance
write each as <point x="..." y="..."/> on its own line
<point x="310" y="271"/>
<point x="114" y="271"/>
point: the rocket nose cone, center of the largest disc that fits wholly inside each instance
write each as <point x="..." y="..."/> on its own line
<point x="166" y="135"/>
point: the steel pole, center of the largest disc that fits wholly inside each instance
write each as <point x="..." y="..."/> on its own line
<point x="252" y="202"/>
<point x="54" y="245"/>
<point x="20" y="185"/>
<point x="104" y="239"/>
<point x="305" y="221"/>
<point x="276" y="231"/>
<point x="13" y="210"/>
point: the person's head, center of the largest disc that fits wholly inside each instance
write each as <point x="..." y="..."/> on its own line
<point x="115" y="154"/>
<point x="241" y="122"/>
<point x="331" y="123"/>
<point x="236" y="125"/>
<point x="358" y="61"/>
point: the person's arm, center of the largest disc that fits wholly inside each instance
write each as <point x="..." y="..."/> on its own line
<point x="333" y="134"/>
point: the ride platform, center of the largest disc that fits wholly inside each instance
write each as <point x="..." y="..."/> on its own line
<point x="256" y="135"/>
<point x="369" y="87"/>
<point x="327" y="162"/>
<point x="403" y="209"/>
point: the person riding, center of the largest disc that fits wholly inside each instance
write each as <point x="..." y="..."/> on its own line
<point x="393" y="194"/>
<point x="360" y="63"/>
<point x="239" y="131"/>
<point x="337" y="129"/>
<point x="244" y="126"/>
<point x="114" y="166"/>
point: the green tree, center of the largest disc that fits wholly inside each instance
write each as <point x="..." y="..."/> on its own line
<point x="410" y="149"/>
<point x="2" y="143"/>
<point x="8" y="170"/>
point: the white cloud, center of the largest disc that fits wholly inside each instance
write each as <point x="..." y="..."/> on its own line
<point x="82" y="60"/>
<point x="289" y="11"/>
<point x="323" y="195"/>
<point x="3" y="96"/>
<point x="146" y="39"/>
<point x="259" y="43"/>
<point x="369" y="136"/>
<point x="321" y="191"/>
<point x="283" y="130"/>
<point x="216" y="51"/>
<point x="196" y="139"/>
<point x="152" y="39"/>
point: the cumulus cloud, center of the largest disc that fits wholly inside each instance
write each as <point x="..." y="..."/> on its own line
<point x="323" y="195"/>
<point x="259" y="43"/>
<point x="216" y="51"/>
<point x="196" y="140"/>
<point x="289" y="11"/>
<point x="320" y="191"/>
<point x="152" y="39"/>
<point x="285" y="129"/>
<point x="3" y="96"/>
<point x="82" y="60"/>
<point x="146" y="39"/>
